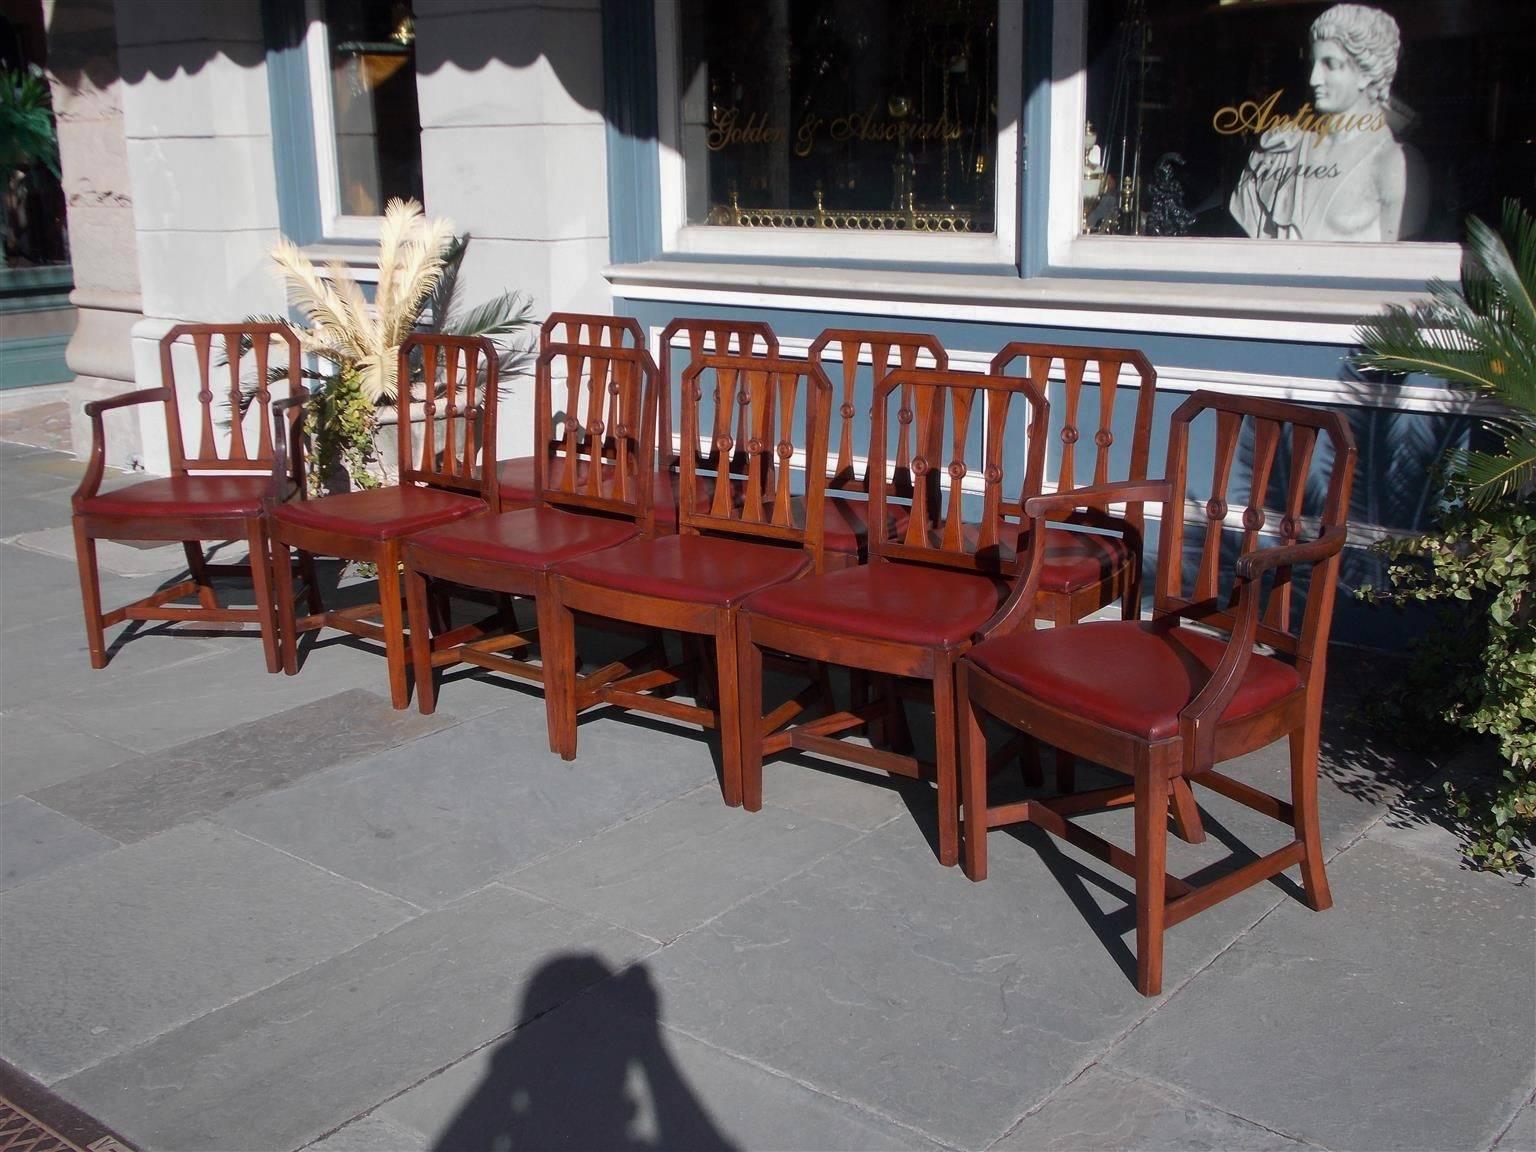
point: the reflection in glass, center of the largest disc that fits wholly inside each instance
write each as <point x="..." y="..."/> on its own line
<point x="373" y="101"/>
<point x="858" y="114"/>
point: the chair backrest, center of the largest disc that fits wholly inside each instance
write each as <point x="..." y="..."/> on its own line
<point x="586" y="328"/>
<point x="242" y="382"/>
<point x="461" y="389"/>
<point x="1263" y="456"/>
<point x="757" y="501"/>
<point x="719" y="338"/>
<point x="602" y="456"/>
<point x="887" y="351"/>
<point x="972" y="418"/>
<point x="1117" y="370"/>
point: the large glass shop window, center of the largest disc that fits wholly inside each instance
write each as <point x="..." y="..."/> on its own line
<point x="1286" y="120"/>
<point x="849" y="114"/>
<point x="373" y="103"/>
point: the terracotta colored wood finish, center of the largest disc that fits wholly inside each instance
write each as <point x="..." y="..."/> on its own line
<point x="751" y="530"/>
<point x="1250" y="602"/>
<point x="847" y="527"/>
<point x="1068" y="598"/>
<point x="930" y="564"/>
<point x="456" y="472"/>
<point x="596" y="471"/>
<point x="195" y="504"/>
<point x="740" y="338"/>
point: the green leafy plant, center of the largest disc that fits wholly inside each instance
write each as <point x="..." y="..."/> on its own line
<point x="1475" y="672"/>
<point x="356" y="342"/>
<point x="27" y="142"/>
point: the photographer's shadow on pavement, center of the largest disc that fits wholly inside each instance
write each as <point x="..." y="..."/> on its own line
<point x="593" y="1074"/>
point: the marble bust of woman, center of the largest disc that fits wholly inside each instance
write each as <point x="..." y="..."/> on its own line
<point x="1335" y="170"/>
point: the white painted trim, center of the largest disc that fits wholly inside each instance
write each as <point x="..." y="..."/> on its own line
<point x="1066" y="248"/>
<point x="1253" y="312"/>
<point x="1303" y="389"/>
<point x="999" y="247"/>
<point x="317" y="50"/>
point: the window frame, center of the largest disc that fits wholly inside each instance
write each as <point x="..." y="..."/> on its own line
<point x="678" y="237"/>
<point x="1068" y="249"/>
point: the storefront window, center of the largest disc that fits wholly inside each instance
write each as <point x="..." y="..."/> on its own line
<point x="1383" y="122"/>
<point x="368" y="129"/>
<point x="856" y="115"/>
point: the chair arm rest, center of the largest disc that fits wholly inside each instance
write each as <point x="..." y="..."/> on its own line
<point x="1018" y="609"/>
<point x="1252" y="565"/>
<point x="288" y="445"/>
<point x="1097" y="495"/>
<point x="94" y="408"/>
<point x="90" y="483"/>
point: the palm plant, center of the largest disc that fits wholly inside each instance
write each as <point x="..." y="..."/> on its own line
<point x="1475" y="671"/>
<point x="1482" y="336"/>
<point x="358" y="342"/>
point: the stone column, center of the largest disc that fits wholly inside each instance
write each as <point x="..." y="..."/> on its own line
<point x="513" y="148"/>
<point x="87" y="89"/>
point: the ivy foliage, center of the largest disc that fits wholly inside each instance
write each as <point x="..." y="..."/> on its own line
<point x="1474" y="673"/>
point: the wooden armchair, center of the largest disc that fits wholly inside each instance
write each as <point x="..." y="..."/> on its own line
<point x="1164" y="702"/>
<point x="847" y="506"/>
<point x="753" y="534"/>
<point x="592" y="495"/>
<point x="213" y="494"/>
<point x="447" y="481"/>
<point x="1086" y="570"/>
<point x="932" y="582"/>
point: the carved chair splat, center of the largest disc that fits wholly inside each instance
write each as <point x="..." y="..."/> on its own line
<point x="218" y="492"/>
<point x="1164" y="701"/>
<point x="447" y="480"/>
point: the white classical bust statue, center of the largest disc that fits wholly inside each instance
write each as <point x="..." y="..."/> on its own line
<point x="1335" y="170"/>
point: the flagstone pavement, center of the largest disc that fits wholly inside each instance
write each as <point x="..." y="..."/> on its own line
<point x="242" y="911"/>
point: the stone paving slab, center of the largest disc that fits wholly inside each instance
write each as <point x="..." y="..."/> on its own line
<point x="1521" y="1135"/>
<point x="586" y="1077"/>
<point x="38" y="750"/>
<point x="35" y="840"/>
<point x="151" y="793"/>
<point x="25" y="513"/>
<point x="451" y="812"/>
<point x="881" y="978"/>
<point x="1104" y="1108"/>
<point x="282" y="1066"/>
<point x="100" y="957"/>
<point x="210" y="689"/>
<point x="678" y="865"/>
<point x="35" y="587"/>
<point x="120" y="559"/>
<point x="373" y="1133"/>
<point x="842" y="794"/>
<point x="1399" y="1019"/>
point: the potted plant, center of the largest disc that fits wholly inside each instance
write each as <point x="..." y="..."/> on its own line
<point x="1476" y="670"/>
<point x="356" y="342"/>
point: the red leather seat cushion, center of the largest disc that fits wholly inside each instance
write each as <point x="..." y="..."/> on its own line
<point x="183" y="496"/>
<point x="515" y="478"/>
<point x="1079" y="559"/>
<point x="533" y="538"/>
<point x="907" y="603"/>
<point x="694" y="569"/>
<point x="379" y="513"/>
<point x="1134" y="676"/>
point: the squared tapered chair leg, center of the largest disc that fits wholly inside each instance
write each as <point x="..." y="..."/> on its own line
<point x="418" y="620"/>
<point x="282" y="579"/>
<point x="946" y="767"/>
<point x="261" y="582"/>
<point x="729" y="708"/>
<point x="973" y="785"/>
<point x="197" y="564"/>
<point x="750" y="681"/>
<point x="1314" y="878"/>
<point x="1151" y="821"/>
<point x="394" y="625"/>
<point x="90" y="595"/>
<point x="557" y="650"/>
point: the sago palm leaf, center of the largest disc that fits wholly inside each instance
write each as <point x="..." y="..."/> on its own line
<point x="498" y="316"/>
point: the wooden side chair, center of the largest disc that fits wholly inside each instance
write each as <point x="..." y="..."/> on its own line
<point x="1164" y="702"/>
<point x="847" y="507"/>
<point x="753" y="534"/>
<point x="215" y="493"/>
<point x="1087" y="570"/>
<point x="447" y="480"/>
<point x="930" y="584"/>
<point x="592" y="495"/>
<point x="516" y="482"/>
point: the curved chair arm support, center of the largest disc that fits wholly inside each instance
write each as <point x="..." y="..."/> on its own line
<point x="1252" y="565"/>
<point x="1096" y="496"/>
<point x="288" y="444"/>
<point x="90" y="483"/>
<point x="1202" y="715"/>
<point x="1018" y="610"/>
